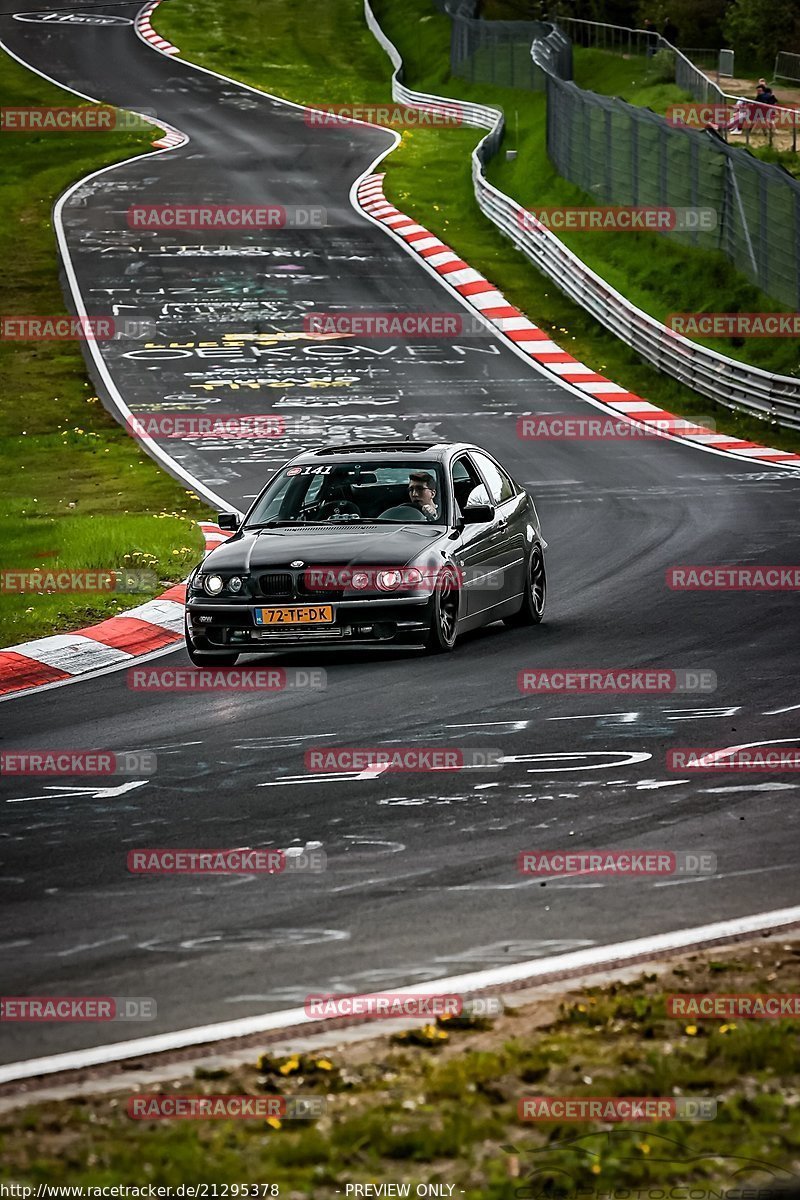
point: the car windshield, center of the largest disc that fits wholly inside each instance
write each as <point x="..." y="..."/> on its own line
<point x="367" y="490"/>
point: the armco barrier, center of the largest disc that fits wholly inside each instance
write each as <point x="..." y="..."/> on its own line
<point x="733" y="384"/>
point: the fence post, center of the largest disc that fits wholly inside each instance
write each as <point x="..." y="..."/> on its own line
<point x="608" y="156"/>
<point x="742" y="216"/>
<point x="694" y="182"/>
<point x="635" y="163"/>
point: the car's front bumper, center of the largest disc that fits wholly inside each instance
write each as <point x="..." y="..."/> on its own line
<point x="232" y="627"/>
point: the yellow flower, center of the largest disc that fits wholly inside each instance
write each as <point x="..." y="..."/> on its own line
<point x="323" y="1064"/>
<point x="691" y="1030"/>
<point x="595" y="1168"/>
<point x="726" y="1028"/>
<point x="643" y="1146"/>
<point x="274" y="1122"/>
<point x="291" y="1064"/>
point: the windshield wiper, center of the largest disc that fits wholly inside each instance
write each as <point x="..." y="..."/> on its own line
<point x="268" y="525"/>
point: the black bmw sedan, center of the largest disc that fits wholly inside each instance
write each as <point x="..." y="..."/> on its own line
<point x="367" y="544"/>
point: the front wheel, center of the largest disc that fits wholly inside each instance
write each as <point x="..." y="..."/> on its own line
<point x="441" y="637"/>
<point x="531" y="610"/>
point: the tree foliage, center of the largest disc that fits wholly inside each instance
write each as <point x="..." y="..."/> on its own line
<point x="758" y="29"/>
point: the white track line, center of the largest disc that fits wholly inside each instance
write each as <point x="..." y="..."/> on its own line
<point x="559" y="966"/>
<point x="152" y="448"/>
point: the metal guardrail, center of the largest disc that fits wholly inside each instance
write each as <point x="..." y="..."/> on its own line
<point x="726" y="381"/>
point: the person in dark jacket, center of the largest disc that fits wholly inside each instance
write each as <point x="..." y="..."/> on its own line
<point x="651" y="41"/>
<point x="765" y="95"/>
<point x="670" y="32"/>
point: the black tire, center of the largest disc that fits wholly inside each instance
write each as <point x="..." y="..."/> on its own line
<point x="532" y="608"/>
<point x="203" y="658"/>
<point x="445" y="604"/>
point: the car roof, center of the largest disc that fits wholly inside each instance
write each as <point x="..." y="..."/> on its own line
<point x="405" y="450"/>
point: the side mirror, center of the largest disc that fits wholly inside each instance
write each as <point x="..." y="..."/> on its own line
<point x="228" y="521"/>
<point x="478" y="514"/>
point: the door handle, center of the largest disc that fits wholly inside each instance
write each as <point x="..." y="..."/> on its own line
<point x="502" y="524"/>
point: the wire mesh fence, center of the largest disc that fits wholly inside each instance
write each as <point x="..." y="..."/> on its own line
<point x="499" y="52"/>
<point x="626" y="155"/>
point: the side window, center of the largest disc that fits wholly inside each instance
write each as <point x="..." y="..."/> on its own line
<point x="467" y="484"/>
<point x="500" y="486"/>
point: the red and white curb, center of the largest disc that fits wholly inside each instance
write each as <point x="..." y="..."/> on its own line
<point x="146" y="31"/>
<point x="141" y="630"/>
<point x="172" y="137"/>
<point x="213" y="534"/>
<point x="512" y="324"/>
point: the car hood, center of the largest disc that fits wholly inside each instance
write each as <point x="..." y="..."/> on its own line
<point x="324" y="545"/>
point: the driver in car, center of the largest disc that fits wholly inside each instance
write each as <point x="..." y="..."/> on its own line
<point x="421" y="500"/>
<point x="422" y="494"/>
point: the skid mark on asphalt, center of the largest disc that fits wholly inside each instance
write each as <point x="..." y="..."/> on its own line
<point x="771" y="786"/>
<point x="254" y="941"/>
<point x="720" y="875"/>
<point x="81" y="949"/>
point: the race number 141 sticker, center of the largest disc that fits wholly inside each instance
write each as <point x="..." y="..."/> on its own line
<point x="309" y="470"/>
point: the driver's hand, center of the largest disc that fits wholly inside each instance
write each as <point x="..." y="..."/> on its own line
<point x="429" y="510"/>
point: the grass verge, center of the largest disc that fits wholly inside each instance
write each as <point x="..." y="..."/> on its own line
<point x="441" y="1106"/>
<point x="75" y="491"/>
<point x="335" y="59"/>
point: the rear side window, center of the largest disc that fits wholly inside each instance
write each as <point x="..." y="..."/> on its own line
<point x="500" y="486"/>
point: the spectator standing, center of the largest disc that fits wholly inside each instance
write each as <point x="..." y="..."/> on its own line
<point x="670" y="32"/>
<point x="651" y="41"/>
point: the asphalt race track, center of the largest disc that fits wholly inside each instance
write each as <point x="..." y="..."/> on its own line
<point x="421" y="878"/>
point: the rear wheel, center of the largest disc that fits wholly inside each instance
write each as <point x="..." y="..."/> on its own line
<point x="531" y="610"/>
<point x="441" y="638"/>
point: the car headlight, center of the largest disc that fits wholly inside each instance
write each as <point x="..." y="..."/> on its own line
<point x="390" y="581"/>
<point x="213" y="584"/>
